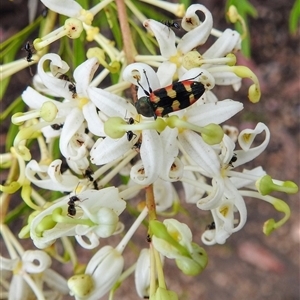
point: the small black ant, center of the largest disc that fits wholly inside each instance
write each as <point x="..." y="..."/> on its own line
<point x="233" y="159"/>
<point x="137" y="145"/>
<point x="211" y="226"/>
<point x="130" y="134"/>
<point x="149" y="240"/>
<point x="71" y="208"/>
<point x="57" y="126"/>
<point x="88" y="173"/>
<point x="72" y="89"/>
<point x="71" y="85"/>
<point x="29" y="51"/>
<point x="171" y="23"/>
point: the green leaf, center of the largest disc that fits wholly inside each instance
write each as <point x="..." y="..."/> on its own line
<point x="113" y="22"/>
<point x="294" y="17"/>
<point x="78" y="48"/>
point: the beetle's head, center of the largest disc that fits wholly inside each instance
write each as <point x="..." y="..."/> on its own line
<point x="144" y="107"/>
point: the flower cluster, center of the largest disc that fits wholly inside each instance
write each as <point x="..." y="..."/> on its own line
<point x="172" y="129"/>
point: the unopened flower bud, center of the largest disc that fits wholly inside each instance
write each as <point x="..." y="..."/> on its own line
<point x="81" y="285"/>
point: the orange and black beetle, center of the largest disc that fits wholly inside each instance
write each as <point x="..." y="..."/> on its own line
<point x="173" y="97"/>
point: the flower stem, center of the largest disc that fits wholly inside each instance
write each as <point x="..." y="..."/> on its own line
<point x="37" y="291"/>
<point x="159" y="270"/>
<point x="152" y="271"/>
<point x="121" y="246"/>
<point x="150" y="203"/>
<point x="129" y="48"/>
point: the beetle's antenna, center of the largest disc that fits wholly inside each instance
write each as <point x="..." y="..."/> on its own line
<point x="146" y="92"/>
<point x="150" y="90"/>
<point x="195" y="76"/>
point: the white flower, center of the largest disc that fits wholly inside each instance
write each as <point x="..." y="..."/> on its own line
<point x="30" y="271"/>
<point x="142" y="273"/>
<point x="75" y="113"/>
<point x="102" y="272"/>
<point x="164" y="147"/>
<point x="178" y="58"/>
<point x="174" y="240"/>
<point x="50" y="177"/>
<point x="92" y="214"/>
<point x="223" y="197"/>
<point x="180" y="232"/>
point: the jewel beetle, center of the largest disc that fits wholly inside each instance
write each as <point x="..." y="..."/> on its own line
<point x="173" y="97"/>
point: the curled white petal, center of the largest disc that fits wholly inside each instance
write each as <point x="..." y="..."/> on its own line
<point x="214" y="198"/>
<point x="221" y="236"/>
<point x="208" y="237"/>
<point x="36" y="261"/>
<point x="68" y="144"/>
<point x="238" y="202"/>
<point x="51" y="82"/>
<point x="90" y="240"/>
<point x="222" y="231"/>
<point x="152" y="159"/>
<point x="84" y="73"/>
<point x="227" y="147"/>
<point x="164" y="36"/>
<point x="55" y="181"/>
<point x="246" y="138"/>
<point x="78" y="165"/>
<point x="132" y="71"/>
<point x="199" y="33"/>
<point x="66" y="179"/>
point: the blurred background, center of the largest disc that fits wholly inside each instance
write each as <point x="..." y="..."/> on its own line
<point x="250" y="265"/>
